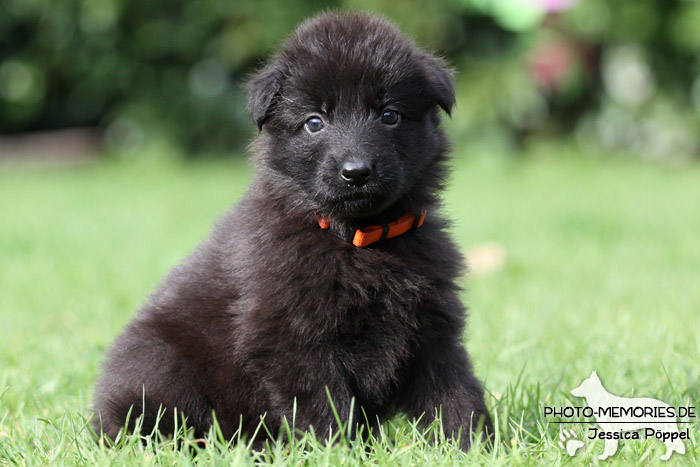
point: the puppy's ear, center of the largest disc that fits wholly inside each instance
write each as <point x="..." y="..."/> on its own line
<point x="263" y="89"/>
<point x="441" y="79"/>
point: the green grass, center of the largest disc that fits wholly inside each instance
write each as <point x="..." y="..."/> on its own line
<point x="602" y="272"/>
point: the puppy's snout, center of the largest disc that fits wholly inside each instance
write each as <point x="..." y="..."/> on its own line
<point x="356" y="173"/>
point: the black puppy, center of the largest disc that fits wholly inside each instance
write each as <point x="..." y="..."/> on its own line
<point x="333" y="273"/>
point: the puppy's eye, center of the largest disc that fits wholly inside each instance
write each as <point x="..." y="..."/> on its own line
<point x="314" y="124"/>
<point x="390" y="117"/>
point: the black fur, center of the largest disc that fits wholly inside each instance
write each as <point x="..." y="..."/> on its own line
<point x="272" y="308"/>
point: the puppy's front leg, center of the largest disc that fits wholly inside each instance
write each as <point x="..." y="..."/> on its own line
<point x="307" y="377"/>
<point x="441" y="381"/>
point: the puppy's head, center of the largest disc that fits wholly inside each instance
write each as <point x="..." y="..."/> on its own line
<point x="348" y="117"/>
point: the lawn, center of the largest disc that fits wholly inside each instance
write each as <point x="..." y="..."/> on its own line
<point x="600" y="270"/>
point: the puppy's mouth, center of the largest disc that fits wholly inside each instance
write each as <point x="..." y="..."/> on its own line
<point x="358" y="204"/>
<point x="340" y="199"/>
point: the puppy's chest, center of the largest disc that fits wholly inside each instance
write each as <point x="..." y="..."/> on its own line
<point x="371" y="344"/>
<point x="355" y="303"/>
<point x="366" y="314"/>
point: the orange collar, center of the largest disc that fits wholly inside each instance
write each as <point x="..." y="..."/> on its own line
<point x="374" y="233"/>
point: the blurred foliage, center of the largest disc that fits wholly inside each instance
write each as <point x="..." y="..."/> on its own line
<point x="624" y="74"/>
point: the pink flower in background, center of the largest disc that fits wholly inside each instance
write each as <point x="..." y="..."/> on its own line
<point x="553" y="6"/>
<point x="551" y="64"/>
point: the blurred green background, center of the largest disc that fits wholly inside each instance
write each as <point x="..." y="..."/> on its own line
<point x="623" y="75"/>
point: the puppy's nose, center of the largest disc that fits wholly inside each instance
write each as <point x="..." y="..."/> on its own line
<point x="356" y="173"/>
